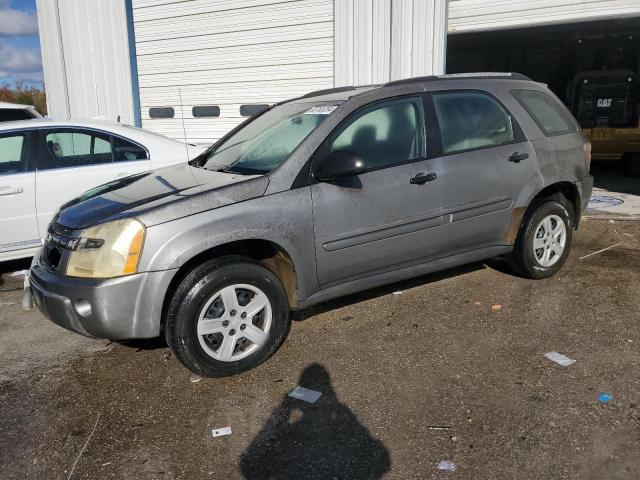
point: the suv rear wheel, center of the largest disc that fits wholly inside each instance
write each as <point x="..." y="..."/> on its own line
<point x="227" y="316"/>
<point x="544" y="241"/>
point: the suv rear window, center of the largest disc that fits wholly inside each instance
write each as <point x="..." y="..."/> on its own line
<point x="552" y="118"/>
<point x="470" y="121"/>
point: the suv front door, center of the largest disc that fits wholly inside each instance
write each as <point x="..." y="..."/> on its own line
<point x="378" y="220"/>
<point x="487" y="165"/>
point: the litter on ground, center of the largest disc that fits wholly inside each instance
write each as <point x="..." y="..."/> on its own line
<point x="219" y="432"/>
<point x="305" y="394"/>
<point x="447" y="465"/>
<point x="84" y="447"/>
<point x="600" y="251"/>
<point x="195" y="378"/>
<point x="20" y="273"/>
<point x="605" y="397"/>
<point x="399" y="292"/>
<point x="560" y="359"/>
<point x="496" y="308"/>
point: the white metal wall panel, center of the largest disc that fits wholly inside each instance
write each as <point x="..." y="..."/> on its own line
<point x="52" y="59"/>
<point x="478" y="15"/>
<point x="86" y="59"/>
<point x="382" y="40"/>
<point x="228" y="53"/>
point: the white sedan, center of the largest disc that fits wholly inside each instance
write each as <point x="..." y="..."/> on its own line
<point x="46" y="163"/>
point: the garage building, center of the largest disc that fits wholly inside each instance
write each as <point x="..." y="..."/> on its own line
<point x="196" y="68"/>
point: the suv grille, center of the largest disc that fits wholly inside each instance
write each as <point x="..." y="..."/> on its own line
<point x="58" y="240"/>
<point x="58" y="237"/>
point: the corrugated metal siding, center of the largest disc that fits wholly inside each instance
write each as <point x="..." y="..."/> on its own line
<point x="228" y="53"/>
<point x="86" y="58"/>
<point x="478" y="15"/>
<point x="382" y="40"/>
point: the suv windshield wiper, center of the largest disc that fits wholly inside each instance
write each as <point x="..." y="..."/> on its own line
<point x="243" y="170"/>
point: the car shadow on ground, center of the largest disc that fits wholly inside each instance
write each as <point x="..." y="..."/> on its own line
<point x="314" y="440"/>
<point x="301" y="315"/>
<point x="140" y="344"/>
<point x="329" y="305"/>
<point x="6" y="268"/>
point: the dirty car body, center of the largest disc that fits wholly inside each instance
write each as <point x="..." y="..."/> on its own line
<point x="389" y="182"/>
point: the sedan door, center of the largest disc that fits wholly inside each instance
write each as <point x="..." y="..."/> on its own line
<point x="388" y="216"/>
<point x="18" y="226"/>
<point x="74" y="160"/>
<point x="488" y="168"/>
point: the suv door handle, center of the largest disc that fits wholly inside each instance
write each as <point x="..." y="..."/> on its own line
<point x="518" y="157"/>
<point x="10" y="191"/>
<point x="422" y="178"/>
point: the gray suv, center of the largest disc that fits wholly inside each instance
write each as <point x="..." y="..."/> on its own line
<point x="318" y="197"/>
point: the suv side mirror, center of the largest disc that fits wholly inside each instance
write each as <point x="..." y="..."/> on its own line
<point x="340" y="163"/>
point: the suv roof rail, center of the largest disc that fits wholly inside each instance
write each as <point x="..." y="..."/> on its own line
<point x="327" y="91"/>
<point x="461" y="76"/>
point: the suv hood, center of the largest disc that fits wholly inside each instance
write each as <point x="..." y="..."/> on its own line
<point x="160" y="196"/>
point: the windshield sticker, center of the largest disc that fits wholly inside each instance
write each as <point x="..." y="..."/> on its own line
<point x="321" y="110"/>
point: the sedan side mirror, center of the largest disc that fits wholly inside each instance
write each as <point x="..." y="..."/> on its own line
<point x="340" y="163"/>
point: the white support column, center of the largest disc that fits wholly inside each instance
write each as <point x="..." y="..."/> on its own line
<point x="376" y="41"/>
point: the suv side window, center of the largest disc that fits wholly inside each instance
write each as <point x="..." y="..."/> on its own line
<point x="125" y="151"/>
<point x="384" y="134"/>
<point x="75" y="148"/>
<point x="552" y="118"/>
<point x="12" y="159"/>
<point x="471" y="120"/>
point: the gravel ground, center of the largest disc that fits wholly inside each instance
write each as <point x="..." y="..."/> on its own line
<point x="451" y="369"/>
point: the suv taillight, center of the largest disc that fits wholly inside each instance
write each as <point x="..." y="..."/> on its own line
<point x="587" y="154"/>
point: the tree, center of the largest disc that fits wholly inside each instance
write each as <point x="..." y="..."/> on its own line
<point x="23" y="94"/>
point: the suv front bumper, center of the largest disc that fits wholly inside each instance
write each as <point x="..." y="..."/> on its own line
<point x="118" y="309"/>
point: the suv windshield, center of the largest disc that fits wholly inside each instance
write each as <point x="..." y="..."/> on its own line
<point x="266" y="142"/>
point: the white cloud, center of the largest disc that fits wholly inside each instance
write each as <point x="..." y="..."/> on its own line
<point x="20" y="64"/>
<point x="17" y="22"/>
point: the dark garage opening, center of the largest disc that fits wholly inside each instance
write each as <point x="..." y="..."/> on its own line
<point x="592" y="66"/>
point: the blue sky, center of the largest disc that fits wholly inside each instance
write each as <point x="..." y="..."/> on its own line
<point x="20" y="58"/>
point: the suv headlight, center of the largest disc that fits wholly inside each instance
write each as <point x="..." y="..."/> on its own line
<point x="109" y="250"/>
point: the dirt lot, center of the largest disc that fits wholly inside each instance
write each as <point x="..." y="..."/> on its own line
<point x="392" y="369"/>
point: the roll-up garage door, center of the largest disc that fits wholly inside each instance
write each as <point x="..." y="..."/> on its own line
<point x="226" y="54"/>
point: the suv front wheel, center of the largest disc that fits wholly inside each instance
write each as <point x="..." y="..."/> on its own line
<point x="227" y="316"/>
<point x="544" y="241"/>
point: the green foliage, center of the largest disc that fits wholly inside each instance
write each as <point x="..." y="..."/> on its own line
<point x="26" y="95"/>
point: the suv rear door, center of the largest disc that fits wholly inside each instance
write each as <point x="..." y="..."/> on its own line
<point x="377" y="220"/>
<point x="487" y="165"/>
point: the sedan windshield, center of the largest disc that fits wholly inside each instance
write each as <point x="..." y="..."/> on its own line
<point x="266" y="142"/>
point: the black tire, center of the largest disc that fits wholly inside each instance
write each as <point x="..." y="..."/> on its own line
<point x="523" y="261"/>
<point x="191" y="297"/>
